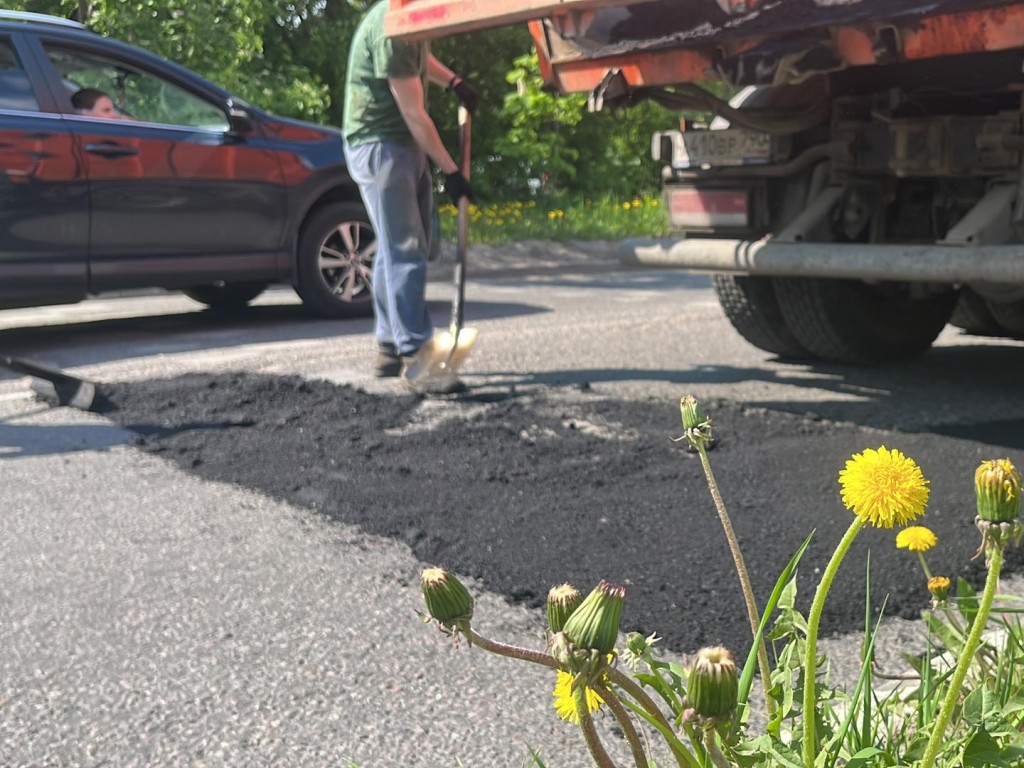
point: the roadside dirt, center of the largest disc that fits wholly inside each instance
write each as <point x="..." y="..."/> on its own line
<point x="524" y="493"/>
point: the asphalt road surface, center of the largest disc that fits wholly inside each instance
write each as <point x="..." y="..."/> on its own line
<point x="222" y="568"/>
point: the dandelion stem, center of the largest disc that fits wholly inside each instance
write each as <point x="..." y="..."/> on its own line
<point x="924" y="566"/>
<point x="953" y="620"/>
<point x="964" y="662"/>
<point x="714" y="752"/>
<point x="632" y="737"/>
<point x="741" y="571"/>
<point x="646" y="703"/>
<point x="597" y="750"/>
<point x="511" y="651"/>
<point x="633" y="689"/>
<point x="810" y="747"/>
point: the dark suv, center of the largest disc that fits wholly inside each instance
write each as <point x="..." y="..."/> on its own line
<point x="184" y="186"/>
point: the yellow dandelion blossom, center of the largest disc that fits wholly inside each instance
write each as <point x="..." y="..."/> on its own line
<point x="939" y="587"/>
<point x="626" y="206"/>
<point x="565" y="706"/>
<point x="916" y="538"/>
<point x="552" y="215"/>
<point x="883" y="487"/>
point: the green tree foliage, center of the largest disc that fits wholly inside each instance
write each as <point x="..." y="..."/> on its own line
<point x="290" y="56"/>
<point x="538" y="141"/>
<point x="484" y="58"/>
<point x="616" y="159"/>
<point x="227" y="42"/>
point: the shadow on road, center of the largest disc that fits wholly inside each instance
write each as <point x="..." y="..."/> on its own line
<point x="20" y="440"/>
<point x="922" y="395"/>
<point x="121" y="338"/>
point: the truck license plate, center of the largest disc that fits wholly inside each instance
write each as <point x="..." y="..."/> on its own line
<point x="732" y="146"/>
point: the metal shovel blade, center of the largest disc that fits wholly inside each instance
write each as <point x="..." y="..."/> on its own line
<point x="441" y="354"/>
<point x="54" y="385"/>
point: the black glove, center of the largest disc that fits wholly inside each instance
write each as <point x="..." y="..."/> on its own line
<point x="467" y="94"/>
<point x="457" y="186"/>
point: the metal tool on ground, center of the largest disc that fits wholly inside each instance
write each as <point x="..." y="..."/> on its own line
<point x="56" y="386"/>
<point x="449" y="349"/>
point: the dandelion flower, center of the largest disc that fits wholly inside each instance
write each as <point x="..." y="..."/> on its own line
<point x="883" y="487"/>
<point x="565" y="706"/>
<point x="916" y="538"/>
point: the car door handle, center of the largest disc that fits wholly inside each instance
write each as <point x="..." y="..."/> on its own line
<point x="111" y="149"/>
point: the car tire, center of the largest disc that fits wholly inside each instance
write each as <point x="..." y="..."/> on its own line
<point x="225" y="297"/>
<point x="334" y="262"/>
<point x="849" y="321"/>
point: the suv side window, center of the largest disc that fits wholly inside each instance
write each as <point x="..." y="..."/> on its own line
<point x="15" y="88"/>
<point x="137" y="94"/>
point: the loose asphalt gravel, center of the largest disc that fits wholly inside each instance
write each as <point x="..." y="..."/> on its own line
<point x="524" y="493"/>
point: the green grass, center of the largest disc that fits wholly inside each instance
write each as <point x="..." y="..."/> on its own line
<point x="558" y="219"/>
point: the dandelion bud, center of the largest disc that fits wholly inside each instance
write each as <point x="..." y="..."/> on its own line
<point x="693" y="414"/>
<point x="997" y="487"/>
<point x="639" y="649"/>
<point x="562" y="601"/>
<point x="595" y="624"/>
<point x="712" y="688"/>
<point x="447" y="599"/>
<point x="938" y="586"/>
<point x="696" y="426"/>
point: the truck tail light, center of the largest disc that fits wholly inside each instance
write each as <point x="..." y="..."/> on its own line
<point x="692" y="208"/>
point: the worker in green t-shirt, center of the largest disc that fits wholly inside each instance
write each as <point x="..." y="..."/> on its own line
<point x="389" y="136"/>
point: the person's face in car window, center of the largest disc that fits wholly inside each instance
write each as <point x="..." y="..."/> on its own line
<point x="103" y="107"/>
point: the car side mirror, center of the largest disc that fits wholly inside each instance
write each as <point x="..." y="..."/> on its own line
<point x="240" y="120"/>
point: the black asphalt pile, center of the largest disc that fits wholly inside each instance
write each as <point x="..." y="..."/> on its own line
<point x="525" y="493"/>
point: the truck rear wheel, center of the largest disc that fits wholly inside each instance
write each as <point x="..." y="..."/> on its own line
<point x="750" y="305"/>
<point x="973" y="315"/>
<point x="849" y="321"/>
<point x="1009" y="316"/>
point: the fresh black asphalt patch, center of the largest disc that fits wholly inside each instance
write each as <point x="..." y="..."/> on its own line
<point x="527" y="492"/>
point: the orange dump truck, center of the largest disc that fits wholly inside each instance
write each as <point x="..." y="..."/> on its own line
<point x="862" y="189"/>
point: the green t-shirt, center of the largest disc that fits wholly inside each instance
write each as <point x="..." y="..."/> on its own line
<point x="371" y="113"/>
